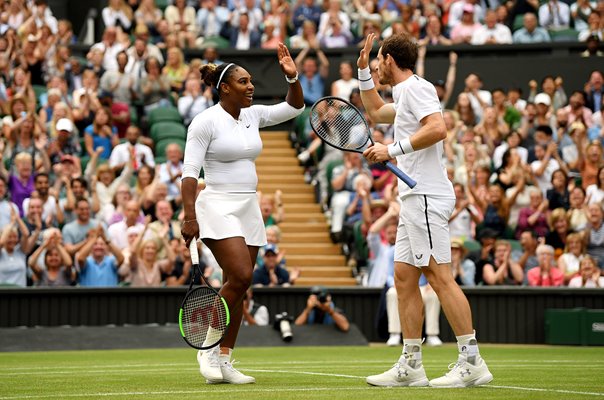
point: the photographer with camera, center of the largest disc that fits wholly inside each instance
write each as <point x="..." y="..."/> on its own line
<point x="320" y="309"/>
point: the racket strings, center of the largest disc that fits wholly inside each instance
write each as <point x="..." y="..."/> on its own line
<point x="204" y="318"/>
<point x="339" y="124"/>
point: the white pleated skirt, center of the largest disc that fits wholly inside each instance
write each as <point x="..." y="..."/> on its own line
<point x="223" y="215"/>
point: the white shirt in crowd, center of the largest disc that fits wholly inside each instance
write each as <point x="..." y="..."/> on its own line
<point x="122" y="152"/>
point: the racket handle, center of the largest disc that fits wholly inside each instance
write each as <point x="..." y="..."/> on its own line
<point x="194" y="252"/>
<point x="401" y="175"/>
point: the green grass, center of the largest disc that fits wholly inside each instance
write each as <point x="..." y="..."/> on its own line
<point x="521" y="372"/>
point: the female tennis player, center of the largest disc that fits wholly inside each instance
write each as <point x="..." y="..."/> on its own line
<point x="225" y="140"/>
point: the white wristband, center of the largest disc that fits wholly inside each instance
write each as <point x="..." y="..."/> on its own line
<point x="365" y="79"/>
<point x="400" y="148"/>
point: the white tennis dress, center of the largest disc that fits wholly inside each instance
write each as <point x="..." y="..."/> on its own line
<point x="226" y="148"/>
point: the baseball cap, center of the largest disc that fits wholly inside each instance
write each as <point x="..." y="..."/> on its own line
<point x="64" y="124"/>
<point x="469" y="8"/>
<point x="271" y="248"/>
<point x="543" y="98"/>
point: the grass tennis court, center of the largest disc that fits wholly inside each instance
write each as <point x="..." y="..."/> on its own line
<point x="521" y="372"/>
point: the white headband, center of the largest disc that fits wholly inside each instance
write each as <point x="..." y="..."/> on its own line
<point x="222" y="74"/>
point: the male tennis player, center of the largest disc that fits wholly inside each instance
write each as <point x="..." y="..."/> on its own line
<point x="422" y="243"/>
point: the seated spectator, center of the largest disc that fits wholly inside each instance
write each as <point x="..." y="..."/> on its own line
<point x="273" y="236"/>
<point x="307" y="38"/>
<point x="590" y="276"/>
<point x="593" y="28"/>
<point x="533" y="218"/>
<point x="155" y="87"/>
<point x="320" y="309"/>
<point x="577" y="214"/>
<point x="51" y="211"/>
<point x="171" y="171"/>
<point x="107" y="186"/>
<point x="77" y="233"/>
<point x="182" y="21"/>
<point x="434" y="33"/>
<point x="491" y="32"/>
<point x="464" y="216"/>
<point x="118" y="14"/>
<point x="558" y="196"/>
<point x="254" y="313"/>
<point x="119" y="83"/>
<point x="21" y="182"/>
<point x="545" y="274"/>
<point x="568" y="262"/>
<point x="176" y="70"/>
<point x="527" y="257"/>
<point x="530" y="32"/>
<point x="119" y="230"/>
<point x="463" y="268"/>
<point x="211" y="19"/>
<point x="594" y="234"/>
<point x="558" y="230"/>
<point x="496" y="209"/>
<point x="463" y="32"/>
<point x="131" y="151"/>
<point x="194" y="99"/>
<point x="146" y="266"/>
<point x="344" y="86"/>
<point x="335" y="35"/>
<point x="5" y="204"/>
<point x="163" y="225"/>
<point x="270" y="274"/>
<point x="305" y="11"/>
<point x="14" y="251"/>
<point x="58" y="266"/>
<point x="272" y="208"/>
<point x="360" y="201"/>
<point x="503" y="270"/>
<point x="101" y="134"/>
<point x="98" y="259"/>
<point x="595" y="192"/>
<point x="244" y="37"/>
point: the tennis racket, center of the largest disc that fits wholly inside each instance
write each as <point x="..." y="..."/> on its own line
<point x="341" y="125"/>
<point x="204" y="315"/>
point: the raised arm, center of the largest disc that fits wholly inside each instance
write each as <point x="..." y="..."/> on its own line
<point x="378" y="110"/>
<point x="295" y="97"/>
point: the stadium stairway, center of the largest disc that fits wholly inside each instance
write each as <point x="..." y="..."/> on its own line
<point x="305" y="232"/>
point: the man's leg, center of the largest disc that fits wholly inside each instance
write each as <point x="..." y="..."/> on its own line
<point x="408" y="371"/>
<point x="470" y="369"/>
<point x="394" y="322"/>
<point x="432" y="311"/>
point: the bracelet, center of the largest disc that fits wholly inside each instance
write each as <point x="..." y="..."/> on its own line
<point x="399" y="148"/>
<point x="191" y="220"/>
<point x="292" y="80"/>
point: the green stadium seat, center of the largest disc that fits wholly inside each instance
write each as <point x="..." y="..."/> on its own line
<point x="472" y="245"/>
<point x="168" y="130"/>
<point x="162" y="4"/>
<point x="39" y="90"/>
<point x="215" y="41"/>
<point x="328" y="175"/>
<point x="162" y="114"/>
<point x="518" y="22"/>
<point x="564" y="35"/>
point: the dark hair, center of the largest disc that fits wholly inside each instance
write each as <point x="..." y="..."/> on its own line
<point x="210" y="73"/>
<point x="563" y="174"/>
<point x="82" y="181"/>
<point x="545" y="129"/>
<point x="148" y="60"/>
<point x="403" y="50"/>
<point x="41" y="174"/>
<point x="499" y="89"/>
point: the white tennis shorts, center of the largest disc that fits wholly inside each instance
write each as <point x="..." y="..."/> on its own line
<point x="423" y="230"/>
<point x="224" y="215"/>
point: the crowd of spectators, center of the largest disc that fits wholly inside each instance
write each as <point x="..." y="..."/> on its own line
<point x="88" y="197"/>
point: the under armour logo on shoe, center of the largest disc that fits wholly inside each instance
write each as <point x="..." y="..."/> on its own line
<point x="464" y="373"/>
<point x="402" y="372"/>
<point x="419" y="256"/>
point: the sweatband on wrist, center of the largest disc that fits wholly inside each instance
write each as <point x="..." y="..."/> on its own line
<point x="365" y="79"/>
<point x="400" y="148"/>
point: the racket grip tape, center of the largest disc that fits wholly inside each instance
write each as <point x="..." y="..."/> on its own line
<point x="401" y="175"/>
<point x="194" y="252"/>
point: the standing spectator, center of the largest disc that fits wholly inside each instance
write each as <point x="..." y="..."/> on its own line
<point x="547" y="161"/>
<point x="590" y="162"/>
<point x="212" y="18"/>
<point x="335" y="35"/>
<point x="148" y="14"/>
<point x="118" y="82"/>
<point x="479" y="98"/>
<point x="458" y="8"/>
<point x="99" y="260"/>
<point x="595" y="192"/>
<point x="464" y="216"/>
<point x="594" y="234"/>
<point x="14" y="251"/>
<point x="252" y="10"/>
<point x="163" y="226"/>
<point x="533" y="218"/>
<point x="577" y="212"/>
<point x="554" y="14"/>
<point x="131" y="151"/>
<point x="58" y="266"/>
<point x="593" y="28"/>
<point x="589" y="277"/>
<point x="307" y="38"/>
<point x="145" y="263"/>
<point x="558" y="196"/>
<point x="304" y="11"/>
<point x="313" y="73"/>
<point x="381" y="270"/>
<point x="553" y="88"/>
<point x="333" y="14"/>
<point x="594" y="91"/>
<point x="577" y="110"/>
<point x="503" y="270"/>
<point x="492" y="32"/>
<point x="109" y="48"/>
<point x="170" y="172"/>
<point x="52" y="213"/>
<point x="545" y="274"/>
<point x="531" y="32"/>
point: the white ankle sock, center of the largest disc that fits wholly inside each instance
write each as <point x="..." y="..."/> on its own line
<point x="468" y="348"/>
<point x="225" y="357"/>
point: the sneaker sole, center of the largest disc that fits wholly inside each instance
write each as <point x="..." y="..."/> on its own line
<point x="483" y="380"/>
<point x="418" y="383"/>
<point x="213" y="382"/>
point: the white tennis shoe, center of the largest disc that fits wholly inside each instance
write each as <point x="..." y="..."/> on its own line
<point x="401" y="374"/>
<point x="232" y="375"/>
<point x="433" y="341"/>
<point x="463" y="374"/>
<point x="209" y="364"/>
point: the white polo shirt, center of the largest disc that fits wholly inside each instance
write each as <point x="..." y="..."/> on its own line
<point x="414" y="99"/>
